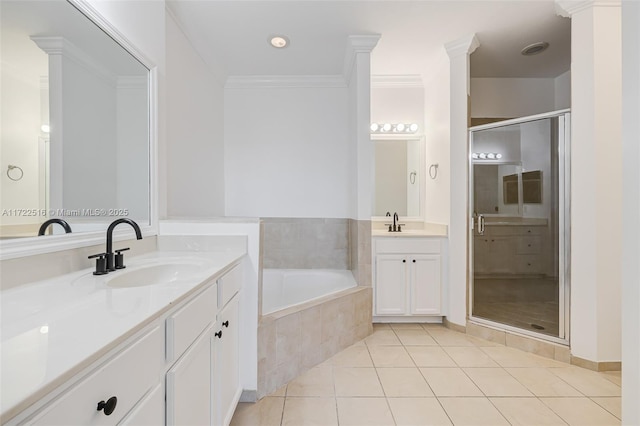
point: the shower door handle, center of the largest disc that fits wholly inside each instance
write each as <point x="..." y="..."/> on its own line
<point x="480" y="224"/>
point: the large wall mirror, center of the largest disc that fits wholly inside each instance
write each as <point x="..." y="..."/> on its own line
<point x="75" y="136"/>
<point x="399" y="176"/>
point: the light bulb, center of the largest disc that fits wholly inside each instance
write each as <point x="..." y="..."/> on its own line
<point x="279" y="41"/>
<point x="400" y="127"/>
<point x="413" y="127"/>
<point x="45" y="128"/>
<point x="482" y="155"/>
<point x="474" y="155"/>
<point x="44" y="329"/>
<point x="498" y="156"/>
<point x="386" y="127"/>
<point x="375" y="127"/>
<point x="491" y="156"/>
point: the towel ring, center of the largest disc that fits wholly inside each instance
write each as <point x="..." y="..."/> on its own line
<point x="433" y="171"/>
<point x="11" y="168"/>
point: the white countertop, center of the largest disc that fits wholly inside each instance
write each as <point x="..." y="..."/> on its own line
<point x="424" y="230"/>
<point x="53" y="329"/>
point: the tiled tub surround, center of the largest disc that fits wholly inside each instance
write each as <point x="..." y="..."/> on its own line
<point x="317" y="243"/>
<point x="293" y="340"/>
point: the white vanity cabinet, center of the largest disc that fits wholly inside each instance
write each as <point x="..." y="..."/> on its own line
<point x="182" y="368"/>
<point x="407" y="277"/>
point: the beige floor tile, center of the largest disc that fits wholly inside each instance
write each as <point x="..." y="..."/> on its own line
<point x="612" y="404"/>
<point x="415" y="337"/>
<point x="450" y="382"/>
<point x="382" y="337"/>
<point x="446" y="337"/>
<point x="316" y="382"/>
<point x="496" y="382"/>
<point x="526" y="411"/>
<point x="418" y="412"/>
<point x="390" y="356"/>
<point x="472" y="412"/>
<point x="433" y="326"/>
<point x="266" y="412"/>
<point x="357" y="381"/>
<point x="613" y="376"/>
<point x="310" y="411"/>
<point x="580" y="411"/>
<point x="279" y="392"/>
<point x="541" y="382"/>
<point x="364" y="412"/>
<point x="405" y="326"/>
<point x="430" y="356"/>
<point x="466" y="356"/>
<point x="588" y="382"/>
<point x="510" y="357"/>
<point x="354" y="356"/>
<point x="399" y="382"/>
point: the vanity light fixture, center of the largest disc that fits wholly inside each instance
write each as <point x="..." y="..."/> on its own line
<point x="395" y="128"/>
<point x="279" y="41"/>
<point x="486" y="155"/>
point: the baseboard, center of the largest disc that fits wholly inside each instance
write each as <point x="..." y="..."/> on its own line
<point x="453" y="326"/>
<point x="249" y="396"/>
<point x="596" y="366"/>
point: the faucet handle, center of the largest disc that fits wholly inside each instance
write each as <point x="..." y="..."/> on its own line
<point x="119" y="258"/>
<point x="101" y="263"/>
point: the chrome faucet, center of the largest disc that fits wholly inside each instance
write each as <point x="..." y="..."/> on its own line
<point x="395" y="221"/>
<point x="111" y="266"/>
<point x="61" y="222"/>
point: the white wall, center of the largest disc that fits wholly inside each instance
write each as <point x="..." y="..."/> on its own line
<point x="287" y="152"/>
<point x="195" y="135"/>
<point x="397" y="105"/>
<point x="631" y="213"/>
<point x="516" y="97"/>
<point x="436" y="132"/>
<point x="562" y="91"/>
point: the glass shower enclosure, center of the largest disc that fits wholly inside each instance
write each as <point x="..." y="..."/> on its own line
<point x="519" y="217"/>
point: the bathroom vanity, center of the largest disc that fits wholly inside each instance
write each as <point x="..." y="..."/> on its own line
<point x="408" y="270"/>
<point x="156" y="343"/>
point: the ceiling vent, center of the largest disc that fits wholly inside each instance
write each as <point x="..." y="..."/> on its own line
<point x="535" y="48"/>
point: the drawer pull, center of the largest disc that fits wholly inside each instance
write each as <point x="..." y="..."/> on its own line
<point x="219" y="334"/>
<point x="226" y="323"/>
<point x="404" y="260"/>
<point x="414" y="261"/>
<point x="109" y="406"/>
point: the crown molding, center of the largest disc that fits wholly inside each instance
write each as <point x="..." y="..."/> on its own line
<point x="63" y="47"/>
<point x="357" y="44"/>
<point x="396" y="81"/>
<point x="463" y="46"/>
<point x="567" y="8"/>
<point x="284" y="81"/>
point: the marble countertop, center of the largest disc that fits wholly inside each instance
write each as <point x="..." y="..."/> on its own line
<point x="53" y="329"/>
<point x="409" y="231"/>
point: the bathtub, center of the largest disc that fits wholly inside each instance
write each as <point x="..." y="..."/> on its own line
<point x="284" y="288"/>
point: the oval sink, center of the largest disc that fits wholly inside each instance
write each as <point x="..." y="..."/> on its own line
<point x="154" y="274"/>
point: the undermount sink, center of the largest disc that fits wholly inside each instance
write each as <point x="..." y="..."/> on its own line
<point x="154" y="274"/>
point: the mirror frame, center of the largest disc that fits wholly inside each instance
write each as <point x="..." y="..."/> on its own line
<point x="423" y="179"/>
<point x="28" y="246"/>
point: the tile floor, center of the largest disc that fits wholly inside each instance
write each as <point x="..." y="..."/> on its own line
<point x="413" y="374"/>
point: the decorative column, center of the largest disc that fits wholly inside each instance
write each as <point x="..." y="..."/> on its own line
<point x="459" y="51"/>
<point x="596" y="182"/>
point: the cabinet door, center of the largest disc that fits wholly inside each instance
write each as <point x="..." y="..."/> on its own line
<point x="189" y="385"/>
<point x="425" y="284"/>
<point x="226" y="370"/>
<point x="391" y="284"/>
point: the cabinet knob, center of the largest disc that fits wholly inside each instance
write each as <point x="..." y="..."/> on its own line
<point x="109" y="406"/>
<point x="219" y="334"/>
<point x="414" y="261"/>
<point x="226" y="323"/>
<point x="404" y="260"/>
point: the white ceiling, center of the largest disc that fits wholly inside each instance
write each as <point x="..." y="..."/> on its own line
<point x="231" y="36"/>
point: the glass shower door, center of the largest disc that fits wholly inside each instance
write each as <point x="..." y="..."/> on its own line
<point x="518" y="212"/>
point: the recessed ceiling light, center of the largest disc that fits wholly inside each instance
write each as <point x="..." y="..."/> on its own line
<point x="535" y="48"/>
<point x="279" y="41"/>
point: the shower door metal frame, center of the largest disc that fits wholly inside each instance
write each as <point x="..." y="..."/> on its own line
<point x="564" y="225"/>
